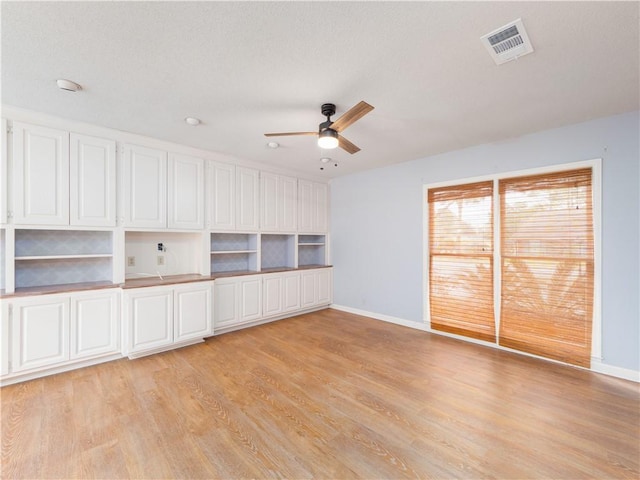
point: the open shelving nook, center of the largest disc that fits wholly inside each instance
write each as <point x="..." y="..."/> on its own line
<point x="312" y="250"/>
<point x="234" y="252"/>
<point x="61" y="257"/>
<point x="277" y="251"/>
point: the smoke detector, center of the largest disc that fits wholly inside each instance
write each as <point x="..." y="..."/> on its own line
<point x="508" y="42"/>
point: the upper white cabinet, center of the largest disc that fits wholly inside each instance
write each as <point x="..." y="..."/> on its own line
<point x="62" y="178"/>
<point x="312" y="207"/>
<point x="3" y="172"/>
<point x="186" y="192"/>
<point x="41" y="175"/>
<point x="148" y="203"/>
<point x="145" y="187"/>
<point x="233" y="197"/>
<point x="279" y="206"/>
<point x="92" y="178"/>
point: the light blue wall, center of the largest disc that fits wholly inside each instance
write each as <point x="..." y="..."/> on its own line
<point x="376" y="223"/>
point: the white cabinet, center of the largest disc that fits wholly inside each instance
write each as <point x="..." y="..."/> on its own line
<point x="233" y="197"/>
<point x="192" y="311"/>
<point x="312" y="207"/>
<point x="237" y="300"/>
<point x="41" y="175"/>
<point x="3" y="172"/>
<point x="280" y="293"/>
<point x="316" y="287"/>
<point x="95" y="324"/>
<point x="278" y="203"/>
<point x="92" y="178"/>
<point x="48" y="330"/>
<point x="40" y="332"/>
<point x="162" y="190"/>
<point x="186" y="192"/>
<point x="62" y="178"/>
<point x="4" y="338"/>
<point x="159" y="317"/>
<point x="145" y="187"/>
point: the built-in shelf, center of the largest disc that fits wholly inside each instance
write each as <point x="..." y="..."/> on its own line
<point x="234" y="252"/>
<point x="311" y="250"/>
<point x="47" y="257"/>
<point x="277" y="251"/>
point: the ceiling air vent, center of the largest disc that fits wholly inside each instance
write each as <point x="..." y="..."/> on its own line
<point x="508" y="42"/>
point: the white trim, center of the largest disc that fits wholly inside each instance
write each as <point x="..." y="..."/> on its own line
<point x="596" y="364"/>
<point x="426" y="311"/>
<point x="596" y="167"/>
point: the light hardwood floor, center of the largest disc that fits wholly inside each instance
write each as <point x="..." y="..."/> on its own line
<point x="324" y="395"/>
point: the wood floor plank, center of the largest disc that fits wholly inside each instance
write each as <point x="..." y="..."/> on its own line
<point x="323" y="395"/>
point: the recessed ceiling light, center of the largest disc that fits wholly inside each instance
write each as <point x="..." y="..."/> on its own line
<point x="68" y="85"/>
<point x="194" y="122"/>
<point x="325" y="159"/>
<point x="273" y="144"/>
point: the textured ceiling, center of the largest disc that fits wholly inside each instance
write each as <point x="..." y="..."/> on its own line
<point x="246" y="68"/>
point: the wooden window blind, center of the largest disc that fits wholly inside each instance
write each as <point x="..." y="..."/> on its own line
<point x="461" y="260"/>
<point x="547" y="265"/>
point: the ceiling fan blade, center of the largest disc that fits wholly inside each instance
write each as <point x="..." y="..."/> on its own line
<point x="283" y="134"/>
<point x="347" y="145"/>
<point x="355" y="113"/>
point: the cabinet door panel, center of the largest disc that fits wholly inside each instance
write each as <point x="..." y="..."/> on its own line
<point x="291" y="292"/>
<point x="309" y="296"/>
<point x="269" y="203"/>
<point x="324" y="286"/>
<point x="150" y="317"/>
<point x="272" y="294"/>
<point x="192" y="312"/>
<point x="225" y="303"/>
<point x="92" y="194"/>
<point x="94" y="325"/>
<point x="40" y="330"/>
<point x="222" y="196"/>
<point x="186" y="192"/>
<point x="305" y="206"/>
<point x="250" y="299"/>
<point x="288" y="204"/>
<point x="321" y="201"/>
<point x="247" y="199"/>
<point x="41" y="175"/>
<point x="145" y="187"/>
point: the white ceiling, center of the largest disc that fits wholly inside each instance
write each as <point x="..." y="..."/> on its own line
<point x="246" y="68"/>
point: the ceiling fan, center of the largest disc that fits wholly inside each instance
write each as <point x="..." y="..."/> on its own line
<point x="329" y="132"/>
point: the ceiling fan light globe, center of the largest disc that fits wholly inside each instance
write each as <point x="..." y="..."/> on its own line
<point x="328" y="139"/>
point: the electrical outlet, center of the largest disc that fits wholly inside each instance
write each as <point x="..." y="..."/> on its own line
<point x="160" y="259"/>
<point x="131" y="261"/>
<point x="160" y="247"/>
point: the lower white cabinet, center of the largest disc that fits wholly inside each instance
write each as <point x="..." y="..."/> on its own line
<point x="280" y="293"/>
<point x="237" y="300"/>
<point x="49" y="330"/>
<point x="316" y="286"/>
<point x="159" y="317"/>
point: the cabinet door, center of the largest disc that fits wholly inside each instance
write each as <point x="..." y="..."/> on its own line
<point x="92" y="178"/>
<point x="3" y="172"/>
<point x="40" y="332"/>
<point x="222" y="196"/>
<point x="41" y="175"/>
<point x="272" y="295"/>
<point x="4" y="338"/>
<point x="247" y="199"/>
<point x="305" y="206"/>
<point x="269" y="202"/>
<point x="192" y="314"/>
<point x="250" y="298"/>
<point x="321" y="206"/>
<point x="324" y="286"/>
<point x="186" y="192"/>
<point x="145" y="187"/>
<point x="95" y="322"/>
<point x="225" y="303"/>
<point x="290" y="292"/>
<point x="309" y="295"/>
<point x="287" y="204"/>
<point x="149" y="318"/>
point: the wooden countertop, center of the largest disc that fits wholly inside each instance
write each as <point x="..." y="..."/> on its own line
<point x="145" y="282"/>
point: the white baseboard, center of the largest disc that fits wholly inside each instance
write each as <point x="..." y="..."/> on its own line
<point x="596" y="364"/>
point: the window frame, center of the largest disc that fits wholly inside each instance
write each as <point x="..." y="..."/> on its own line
<point x="596" y="178"/>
